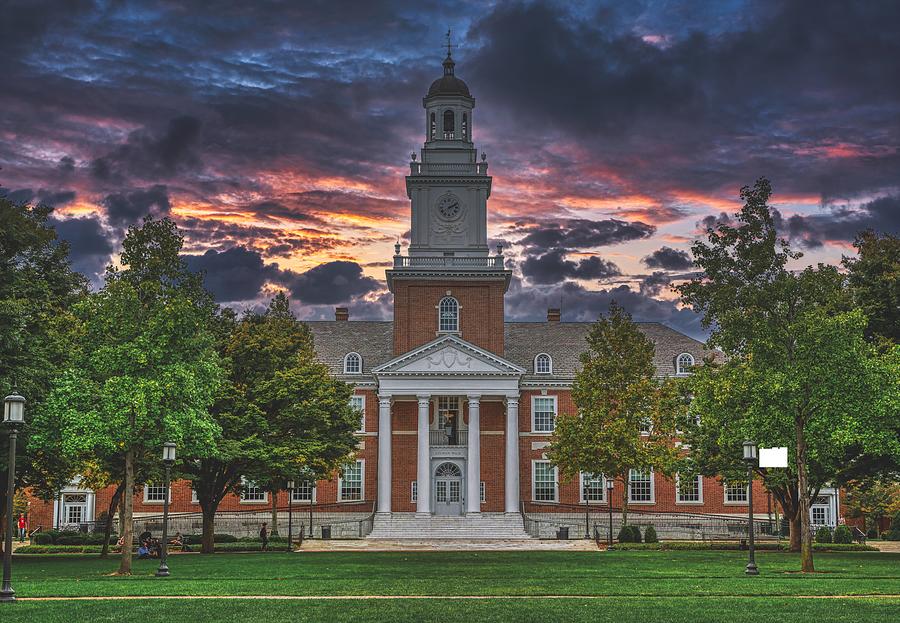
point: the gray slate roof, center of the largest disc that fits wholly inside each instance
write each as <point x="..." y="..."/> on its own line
<point x="563" y="341"/>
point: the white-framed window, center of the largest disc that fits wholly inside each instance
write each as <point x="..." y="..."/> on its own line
<point x="251" y="493"/>
<point x="684" y="363"/>
<point x="640" y="486"/>
<point x="544" y="484"/>
<point x="448" y="412"/>
<point x="688" y="490"/>
<point x="303" y="492"/>
<point x="352" y="363"/>
<point x="543" y="414"/>
<point x="194" y="498"/>
<point x="591" y="488"/>
<point x="414" y="491"/>
<point x="350" y="482"/>
<point x="448" y="315"/>
<point x="481" y="492"/>
<point x="358" y="403"/>
<point x="736" y="492"/>
<point x="155" y="494"/>
<point x="646" y="425"/>
<point x="543" y="364"/>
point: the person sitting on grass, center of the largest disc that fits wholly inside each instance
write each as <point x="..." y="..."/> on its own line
<point x="264" y="537"/>
<point x="143" y="551"/>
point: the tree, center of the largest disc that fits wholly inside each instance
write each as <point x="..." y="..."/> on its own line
<point x="617" y="396"/>
<point x="798" y="371"/>
<point x="871" y="500"/>
<point x="37" y="289"/>
<point x="281" y="413"/>
<point x="146" y="370"/>
<point x="874" y="278"/>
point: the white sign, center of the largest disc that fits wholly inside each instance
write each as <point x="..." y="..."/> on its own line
<point x="773" y="457"/>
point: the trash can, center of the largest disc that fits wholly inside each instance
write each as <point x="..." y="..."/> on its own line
<point x="562" y="533"/>
<point x="326" y="532"/>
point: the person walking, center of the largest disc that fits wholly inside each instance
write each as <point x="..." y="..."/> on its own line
<point x="264" y="537"/>
<point x="23" y="527"/>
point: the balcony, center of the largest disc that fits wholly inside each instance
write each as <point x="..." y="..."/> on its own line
<point x="449" y="261"/>
<point x="442" y="438"/>
<point x="448" y="168"/>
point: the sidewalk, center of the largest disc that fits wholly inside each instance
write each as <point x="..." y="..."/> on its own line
<point x="444" y="545"/>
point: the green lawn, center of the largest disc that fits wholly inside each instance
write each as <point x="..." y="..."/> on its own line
<point x="634" y="585"/>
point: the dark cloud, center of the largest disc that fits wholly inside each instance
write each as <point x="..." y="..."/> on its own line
<point x="330" y="283"/>
<point x="66" y="164"/>
<point x="148" y="155"/>
<point x="668" y="258"/>
<point x="236" y="274"/>
<point x="124" y="209"/>
<point x="553" y="267"/>
<point x="583" y="234"/>
<point x="841" y="224"/>
<point x="652" y="285"/>
<point x="90" y="245"/>
<point x="44" y="197"/>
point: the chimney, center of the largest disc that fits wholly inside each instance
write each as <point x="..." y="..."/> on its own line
<point x="553" y="314"/>
<point x="341" y="313"/>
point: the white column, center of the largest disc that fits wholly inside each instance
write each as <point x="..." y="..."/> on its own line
<point x="384" y="454"/>
<point x="473" y="465"/>
<point x="512" y="454"/>
<point x="423" y="454"/>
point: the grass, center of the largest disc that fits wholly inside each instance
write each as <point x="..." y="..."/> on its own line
<point x="690" y="586"/>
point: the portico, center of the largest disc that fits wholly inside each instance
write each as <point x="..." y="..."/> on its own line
<point x="448" y="378"/>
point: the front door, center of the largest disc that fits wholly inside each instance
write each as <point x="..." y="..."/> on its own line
<point x="448" y="496"/>
<point x="74" y="508"/>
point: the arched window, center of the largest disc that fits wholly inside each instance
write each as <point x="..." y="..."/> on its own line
<point x="448" y="314"/>
<point x="449" y="124"/>
<point x="543" y="364"/>
<point x="352" y="363"/>
<point x="465" y="127"/>
<point x="448" y="470"/>
<point x="683" y="363"/>
<point x="433" y="128"/>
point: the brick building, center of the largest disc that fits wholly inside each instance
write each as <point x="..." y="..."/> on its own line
<point x="457" y="405"/>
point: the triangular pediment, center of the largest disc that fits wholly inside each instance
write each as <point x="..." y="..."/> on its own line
<point x="449" y="355"/>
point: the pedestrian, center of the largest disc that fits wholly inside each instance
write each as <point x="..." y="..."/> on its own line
<point x="264" y="537"/>
<point x="23" y="527"/>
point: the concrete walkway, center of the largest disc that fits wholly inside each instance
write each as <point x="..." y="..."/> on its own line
<point x="444" y="545"/>
<point x="886" y="546"/>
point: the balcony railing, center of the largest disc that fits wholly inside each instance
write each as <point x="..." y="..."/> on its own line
<point x="448" y="168"/>
<point x="485" y="261"/>
<point x="443" y="438"/>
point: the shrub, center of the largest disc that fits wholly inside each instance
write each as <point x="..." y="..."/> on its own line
<point x="197" y="539"/>
<point x="624" y="535"/>
<point x="891" y="535"/>
<point x="54" y="534"/>
<point x="872" y="533"/>
<point x="42" y="538"/>
<point x="823" y="535"/>
<point x="71" y="539"/>
<point x="650" y="535"/>
<point x="843" y="535"/>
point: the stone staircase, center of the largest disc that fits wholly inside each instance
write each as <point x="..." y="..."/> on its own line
<point x="483" y="527"/>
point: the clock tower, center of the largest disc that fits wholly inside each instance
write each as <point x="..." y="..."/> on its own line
<point x="448" y="257"/>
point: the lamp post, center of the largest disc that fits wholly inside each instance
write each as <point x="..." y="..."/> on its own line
<point x="610" y="483"/>
<point x="168" y="461"/>
<point x="13" y="418"/>
<point x="587" y="510"/>
<point x="290" y="488"/>
<point x="750" y="459"/>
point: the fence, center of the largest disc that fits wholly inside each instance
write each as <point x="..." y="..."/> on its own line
<point x="593" y="521"/>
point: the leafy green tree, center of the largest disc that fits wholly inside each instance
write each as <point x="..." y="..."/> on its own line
<point x="281" y="413"/>
<point x="617" y="395"/>
<point x="145" y="372"/>
<point x="37" y="289"/>
<point x="874" y="277"/>
<point x="798" y="371"/>
<point x="871" y="500"/>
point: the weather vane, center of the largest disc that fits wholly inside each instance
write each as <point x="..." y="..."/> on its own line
<point x="449" y="45"/>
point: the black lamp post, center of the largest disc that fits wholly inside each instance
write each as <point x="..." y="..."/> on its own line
<point x="168" y="461"/>
<point x="290" y="488"/>
<point x="750" y="459"/>
<point x="13" y="418"/>
<point x="610" y="483"/>
<point x="587" y="510"/>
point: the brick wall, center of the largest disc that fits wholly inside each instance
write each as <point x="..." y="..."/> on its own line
<point x="415" y="312"/>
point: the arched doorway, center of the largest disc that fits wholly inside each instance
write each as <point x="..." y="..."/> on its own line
<point x="448" y="489"/>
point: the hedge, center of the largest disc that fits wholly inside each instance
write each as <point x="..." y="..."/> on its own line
<point x="842" y="535"/>
<point x="823" y="535"/>
<point x="733" y="546"/>
<point x="650" y="535"/>
<point x="237" y="546"/>
<point x="197" y="539"/>
<point x="56" y="537"/>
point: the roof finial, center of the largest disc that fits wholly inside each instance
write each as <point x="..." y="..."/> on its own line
<point x="448" y="62"/>
<point x="449" y="45"/>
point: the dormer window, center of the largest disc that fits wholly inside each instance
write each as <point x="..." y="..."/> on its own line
<point x="684" y="364"/>
<point x="543" y="364"/>
<point x="352" y="363"/>
<point x="449" y="124"/>
<point x="448" y="315"/>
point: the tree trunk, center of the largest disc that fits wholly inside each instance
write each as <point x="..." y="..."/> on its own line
<point x="795" y="533"/>
<point x="107" y="530"/>
<point x="625" y="501"/>
<point x="806" y="553"/>
<point x="274" y="530"/>
<point x="208" y="541"/>
<point x="128" y="513"/>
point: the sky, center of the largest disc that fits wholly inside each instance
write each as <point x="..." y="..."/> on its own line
<point x="277" y="135"/>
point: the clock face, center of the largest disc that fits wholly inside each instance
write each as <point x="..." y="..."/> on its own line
<point x="449" y="207"/>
